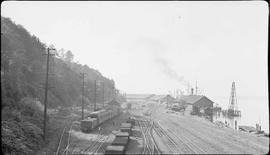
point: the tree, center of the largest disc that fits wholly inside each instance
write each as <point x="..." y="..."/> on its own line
<point x="69" y="56"/>
<point x="61" y="54"/>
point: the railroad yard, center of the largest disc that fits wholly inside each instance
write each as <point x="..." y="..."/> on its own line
<point x="159" y="131"/>
<point x="134" y="78"/>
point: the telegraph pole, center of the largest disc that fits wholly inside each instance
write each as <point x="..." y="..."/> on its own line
<point x="196" y="88"/>
<point x="167" y="101"/>
<point x="103" y="95"/>
<point x="95" y="101"/>
<point x="82" y="76"/>
<point x="46" y="91"/>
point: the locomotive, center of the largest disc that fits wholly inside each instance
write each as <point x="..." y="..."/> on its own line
<point x="96" y="118"/>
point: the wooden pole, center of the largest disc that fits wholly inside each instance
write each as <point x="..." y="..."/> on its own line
<point x="46" y="93"/>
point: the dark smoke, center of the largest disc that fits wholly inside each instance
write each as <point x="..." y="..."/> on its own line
<point x="164" y="66"/>
<point x="156" y="49"/>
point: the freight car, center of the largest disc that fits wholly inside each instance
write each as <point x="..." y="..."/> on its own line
<point x="122" y="134"/>
<point x="112" y="149"/>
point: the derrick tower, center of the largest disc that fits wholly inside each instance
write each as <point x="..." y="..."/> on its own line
<point x="233" y="108"/>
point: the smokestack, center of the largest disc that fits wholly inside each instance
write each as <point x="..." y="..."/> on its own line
<point x="191" y="91"/>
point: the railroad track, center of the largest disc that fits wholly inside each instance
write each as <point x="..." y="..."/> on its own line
<point x="92" y="148"/>
<point x="102" y="147"/>
<point x="146" y="145"/>
<point x="150" y="146"/>
<point x="204" y="147"/>
<point x="96" y="146"/>
<point x="60" y="141"/>
<point x="185" y="145"/>
<point x="186" y="140"/>
<point x="65" y="152"/>
<point x="170" y="142"/>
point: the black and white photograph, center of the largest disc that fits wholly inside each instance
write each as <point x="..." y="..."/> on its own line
<point x="134" y="77"/>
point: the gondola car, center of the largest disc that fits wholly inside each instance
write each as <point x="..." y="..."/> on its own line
<point x="112" y="149"/>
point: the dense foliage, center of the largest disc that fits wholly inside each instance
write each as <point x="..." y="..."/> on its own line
<point x="23" y="67"/>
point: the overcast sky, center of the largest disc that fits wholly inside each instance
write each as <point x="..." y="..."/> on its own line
<point x="154" y="47"/>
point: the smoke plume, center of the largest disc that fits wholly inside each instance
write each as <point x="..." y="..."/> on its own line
<point x="166" y="68"/>
<point x="157" y="50"/>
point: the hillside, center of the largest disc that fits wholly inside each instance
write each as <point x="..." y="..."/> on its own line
<point x="22" y="77"/>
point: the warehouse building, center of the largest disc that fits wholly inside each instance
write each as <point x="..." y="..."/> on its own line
<point x="198" y="105"/>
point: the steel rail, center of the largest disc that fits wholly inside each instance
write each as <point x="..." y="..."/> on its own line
<point x="174" y="147"/>
<point x="60" y="141"/>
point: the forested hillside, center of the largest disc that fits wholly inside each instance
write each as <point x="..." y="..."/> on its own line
<point x="23" y="67"/>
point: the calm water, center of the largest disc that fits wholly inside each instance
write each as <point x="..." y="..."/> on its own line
<point x="253" y="110"/>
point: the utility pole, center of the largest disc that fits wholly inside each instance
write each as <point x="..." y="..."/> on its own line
<point x="167" y="101"/>
<point x="196" y="88"/>
<point x="95" y="100"/>
<point x="46" y="91"/>
<point x="103" y="95"/>
<point x="82" y="76"/>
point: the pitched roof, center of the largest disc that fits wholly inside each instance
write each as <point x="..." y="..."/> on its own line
<point x="114" y="102"/>
<point x="192" y="98"/>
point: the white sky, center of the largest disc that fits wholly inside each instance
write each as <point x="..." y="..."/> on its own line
<point x="136" y="43"/>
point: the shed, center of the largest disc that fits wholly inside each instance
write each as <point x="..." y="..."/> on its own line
<point x="200" y="104"/>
